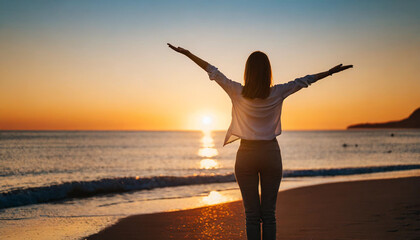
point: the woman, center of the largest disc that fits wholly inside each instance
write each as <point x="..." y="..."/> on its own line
<point x="256" y="110"/>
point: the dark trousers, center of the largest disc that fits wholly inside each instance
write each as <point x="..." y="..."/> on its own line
<point x="259" y="160"/>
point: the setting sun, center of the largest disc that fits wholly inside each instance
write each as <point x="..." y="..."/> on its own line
<point x="207" y="123"/>
<point x="206" y="120"/>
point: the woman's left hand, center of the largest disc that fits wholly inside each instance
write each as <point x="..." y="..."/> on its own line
<point x="179" y="49"/>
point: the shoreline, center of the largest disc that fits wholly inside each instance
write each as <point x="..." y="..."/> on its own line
<point x="362" y="209"/>
<point x="78" y="224"/>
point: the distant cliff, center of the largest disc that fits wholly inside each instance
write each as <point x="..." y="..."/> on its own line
<point x="413" y="121"/>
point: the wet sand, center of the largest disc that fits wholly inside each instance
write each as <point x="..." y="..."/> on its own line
<point x="369" y="209"/>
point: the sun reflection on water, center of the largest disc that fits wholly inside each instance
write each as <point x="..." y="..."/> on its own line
<point x="207" y="152"/>
<point x="215" y="197"/>
<point x="208" y="164"/>
<point x="207" y="140"/>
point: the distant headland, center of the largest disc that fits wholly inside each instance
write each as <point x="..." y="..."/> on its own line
<point x="413" y="121"/>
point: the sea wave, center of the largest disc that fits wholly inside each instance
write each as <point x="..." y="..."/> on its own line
<point x="83" y="189"/>
<point x="326" y="172"/>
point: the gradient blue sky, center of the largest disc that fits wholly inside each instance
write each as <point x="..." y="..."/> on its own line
<point x="105" y="64"/>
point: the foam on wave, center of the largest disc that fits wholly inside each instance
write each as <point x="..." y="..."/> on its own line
<point x="84" y="189"/>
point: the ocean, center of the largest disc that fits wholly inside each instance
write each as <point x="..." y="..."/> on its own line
<point x="74" y="183"/>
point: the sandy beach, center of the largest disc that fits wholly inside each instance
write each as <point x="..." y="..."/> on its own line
<point x="369" y="209"/>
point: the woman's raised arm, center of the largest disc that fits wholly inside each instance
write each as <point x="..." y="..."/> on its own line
<point x="330" y="72"/>
<point x="286" y="89"/>
<point x="232" y="88"/>
<point x="200" y="62"/>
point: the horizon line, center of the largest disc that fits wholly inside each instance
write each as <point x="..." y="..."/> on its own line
<point x="175" y="130"/>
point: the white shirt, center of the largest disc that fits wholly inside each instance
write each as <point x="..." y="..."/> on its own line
<point x="256" y="119"/>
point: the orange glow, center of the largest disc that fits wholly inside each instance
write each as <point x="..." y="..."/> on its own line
<point x="76" y="76"/>
<point x="327" y="104"/>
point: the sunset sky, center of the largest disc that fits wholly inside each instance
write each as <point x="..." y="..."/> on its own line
<point x="104" y="65"/>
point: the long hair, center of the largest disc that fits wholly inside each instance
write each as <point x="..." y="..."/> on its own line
<point x="257" y="76"/>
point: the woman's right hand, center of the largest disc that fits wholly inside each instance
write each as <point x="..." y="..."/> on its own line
<point x="179" y="49"/>
<point x="339" y="68"/>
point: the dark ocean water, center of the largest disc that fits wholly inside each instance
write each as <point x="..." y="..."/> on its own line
<point x="102" y="176"/>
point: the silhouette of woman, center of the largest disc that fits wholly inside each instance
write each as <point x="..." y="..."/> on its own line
<point x="256" y="111"/>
